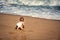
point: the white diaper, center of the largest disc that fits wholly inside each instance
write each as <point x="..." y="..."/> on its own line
<point x="19" y="24"/>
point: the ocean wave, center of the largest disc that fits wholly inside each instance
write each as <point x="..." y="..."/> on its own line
<point x="33" y="2"/>
<point x="48" y="12"/>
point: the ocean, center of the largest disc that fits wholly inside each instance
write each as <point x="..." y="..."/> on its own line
<point x="47" y="12"/>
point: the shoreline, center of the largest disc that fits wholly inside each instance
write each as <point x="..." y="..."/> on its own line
<point x="30" y="16"/>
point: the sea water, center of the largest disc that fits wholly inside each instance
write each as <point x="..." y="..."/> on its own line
<point x="48" y="12"/>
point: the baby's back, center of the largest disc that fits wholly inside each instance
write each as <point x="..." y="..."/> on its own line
<point x="19" y="24"/>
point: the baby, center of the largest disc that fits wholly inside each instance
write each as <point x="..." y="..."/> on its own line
<point x="20" y="24"/>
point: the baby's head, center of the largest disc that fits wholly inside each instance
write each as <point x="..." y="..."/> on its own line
<point x="21" y="19"/>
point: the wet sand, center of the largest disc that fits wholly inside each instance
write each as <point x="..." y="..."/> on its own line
<point x="35" y="28"/>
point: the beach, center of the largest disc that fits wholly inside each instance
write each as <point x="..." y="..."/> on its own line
<point x="35" y="28"/>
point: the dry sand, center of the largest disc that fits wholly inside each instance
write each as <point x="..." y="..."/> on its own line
<point x="35" y="28"/>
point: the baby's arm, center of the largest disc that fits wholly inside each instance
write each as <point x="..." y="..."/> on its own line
<point x="23" y="24"/>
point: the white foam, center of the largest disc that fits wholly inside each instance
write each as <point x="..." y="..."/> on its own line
<point x="33" y="2"/>
<point x="31" y="11"/>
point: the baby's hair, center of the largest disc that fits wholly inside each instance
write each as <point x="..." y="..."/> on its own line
<point x="21" y="19"/>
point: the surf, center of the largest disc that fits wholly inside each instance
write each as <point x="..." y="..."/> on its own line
<point x="39" y="11"/>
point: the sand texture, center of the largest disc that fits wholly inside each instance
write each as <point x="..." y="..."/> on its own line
<point x="35" y="28"/>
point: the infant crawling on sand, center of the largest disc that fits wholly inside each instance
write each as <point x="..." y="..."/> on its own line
<point x="20" y="24"/>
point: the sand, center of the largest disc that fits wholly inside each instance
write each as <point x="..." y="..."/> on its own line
<point x="35" y="28"/>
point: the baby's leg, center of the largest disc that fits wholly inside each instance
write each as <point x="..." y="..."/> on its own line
<point x="20" y="28"/>
<point x="16" y="27"/>
<point x="23" y="26"/>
